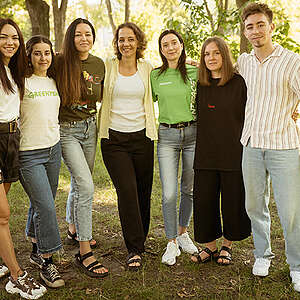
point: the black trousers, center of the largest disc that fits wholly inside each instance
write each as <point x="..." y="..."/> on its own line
<point x="209" y="208"/>
<point x="128" y="158"/>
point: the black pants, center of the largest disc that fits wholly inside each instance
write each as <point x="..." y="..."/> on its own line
<point x="208" y="185"/>
<point x="128" y="158"/>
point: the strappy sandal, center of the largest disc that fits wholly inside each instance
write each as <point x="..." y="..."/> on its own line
<point x="227" y="257"/>
<point x="89" y="270"/>
<point x="71" y="240"/>
<point x="131" y="260"/>
<point x="212" y="255"/>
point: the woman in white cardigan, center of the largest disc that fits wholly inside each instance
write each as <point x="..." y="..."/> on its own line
<point x="127" y="128"/>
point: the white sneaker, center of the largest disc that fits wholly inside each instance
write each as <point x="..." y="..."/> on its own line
<point x="26" y="286"/>
<point x="186" y="244"/>
<point x="169" y="257"/>
<point x="3" y="271"/>
<point x="261" y="267"/>
<point x="295" y="275"/>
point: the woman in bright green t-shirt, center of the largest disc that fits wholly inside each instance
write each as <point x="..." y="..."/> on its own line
<point x="174" y="87"/>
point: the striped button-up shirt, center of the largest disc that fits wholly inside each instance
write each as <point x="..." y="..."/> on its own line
<point x="273" y="95"/>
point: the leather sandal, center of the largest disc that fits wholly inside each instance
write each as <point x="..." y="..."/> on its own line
<point x="71" y="239"/>
<point x="212" y="255"/>
<point x="131" y="260"/>
<point x="89" y="270"/>
<point x="227" y="257"/>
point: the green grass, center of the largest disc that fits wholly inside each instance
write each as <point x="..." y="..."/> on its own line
<point x="155" y="281"/>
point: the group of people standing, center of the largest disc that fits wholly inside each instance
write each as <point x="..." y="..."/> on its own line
<point x="232" y="131"/>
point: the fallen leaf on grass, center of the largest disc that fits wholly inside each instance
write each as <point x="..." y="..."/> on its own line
<point x="184" y="294"/>
<point x="233" y="282"/>
<point x="93" y="291"/>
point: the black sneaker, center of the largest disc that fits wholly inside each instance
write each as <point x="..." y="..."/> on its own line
<point x="36" y="259"/>
<point x="51" y="276"/>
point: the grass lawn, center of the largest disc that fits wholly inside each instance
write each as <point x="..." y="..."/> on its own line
<point x="155" y="281"/>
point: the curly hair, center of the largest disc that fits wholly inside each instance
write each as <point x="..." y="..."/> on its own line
<point x="140" y="36"/>
<point x="257" y="8"/>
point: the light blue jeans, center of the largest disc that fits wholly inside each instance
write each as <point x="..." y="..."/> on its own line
<point x="78" y="141"/>
<point x="171" y="143"/>
<point x="39" y="173"/>
<point x="283" y="167"/>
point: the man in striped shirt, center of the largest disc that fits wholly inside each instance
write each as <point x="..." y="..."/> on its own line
<point x="271" y="139"/>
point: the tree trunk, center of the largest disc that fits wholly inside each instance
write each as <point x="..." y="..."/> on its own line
<point x="39" y="16"/>
<point x="127" y="10"/>
<point x="244" y="44"/>
<point x="59" y="15"/>
<point x="109" y="11"/>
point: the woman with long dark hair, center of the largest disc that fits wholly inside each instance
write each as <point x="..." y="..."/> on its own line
<point x="80" y="77"/>
<point x="127" y="129"/>
<point x="221" y="100"/>
<point x="12" y="70"/>
<point x="174" y="87"/>
<point x="40" y="156"/>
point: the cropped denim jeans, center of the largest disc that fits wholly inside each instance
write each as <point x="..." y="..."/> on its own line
<point x="39" y="173"/>
<point x="171" y="143"/>
<point x="283" y="167"/>
<point x="78" y="141"/>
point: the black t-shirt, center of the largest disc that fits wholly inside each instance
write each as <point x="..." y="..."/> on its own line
<point x="220" y="114"/>
<point x="93" y="71"/>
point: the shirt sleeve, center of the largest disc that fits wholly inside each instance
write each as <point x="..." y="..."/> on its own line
<point x="154" y="97"/>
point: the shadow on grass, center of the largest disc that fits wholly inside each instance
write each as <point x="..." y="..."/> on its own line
<point x="155" y="281"/>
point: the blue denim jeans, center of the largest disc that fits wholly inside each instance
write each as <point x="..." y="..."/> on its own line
<point x="39" y="173"/>
<point x="78" y="141"/>
<point x="171" y="143"/>
<point x="283" y="167"/>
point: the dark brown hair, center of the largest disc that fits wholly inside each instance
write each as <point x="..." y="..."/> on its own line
<point x="17" y="63"/>
<point x="257" y="8"/>
<point x="36" y="39"/>
<point x="227" y="69"/>
<point x="140" y="36"/>
<point x="181" y="67"/>
<point x="69" y="78"/>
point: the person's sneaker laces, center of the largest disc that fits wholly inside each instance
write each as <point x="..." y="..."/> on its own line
<point x="261" y="267"/>
<point x="25" y="286"/>
<point x="186" y="244"/>
<point x="295" y="275"/>
<point x="51" y="276"/>
<point x="36" y="259"/>
<point x="3" y="271"/>
<point x="170" y="254"/>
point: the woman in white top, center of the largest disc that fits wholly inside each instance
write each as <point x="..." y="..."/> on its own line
<point x="40" y="157"/>
<point x="12" y="69"/>
<point x="127" y="129"/>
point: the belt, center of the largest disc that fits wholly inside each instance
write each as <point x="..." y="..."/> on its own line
<point x="9" y="127"/>
<point x="91" y="119"/>
<point x="178" y="125"/>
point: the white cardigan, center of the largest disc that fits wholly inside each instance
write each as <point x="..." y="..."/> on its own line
<point x="111" y="74"/>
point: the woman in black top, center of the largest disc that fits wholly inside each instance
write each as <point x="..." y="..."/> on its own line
<point x="221" y="100"/>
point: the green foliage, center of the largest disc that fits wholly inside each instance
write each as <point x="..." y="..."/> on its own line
<point x="225" y="23"/>
<point x="8" y="7"/>
<point x="200" y="25"/>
